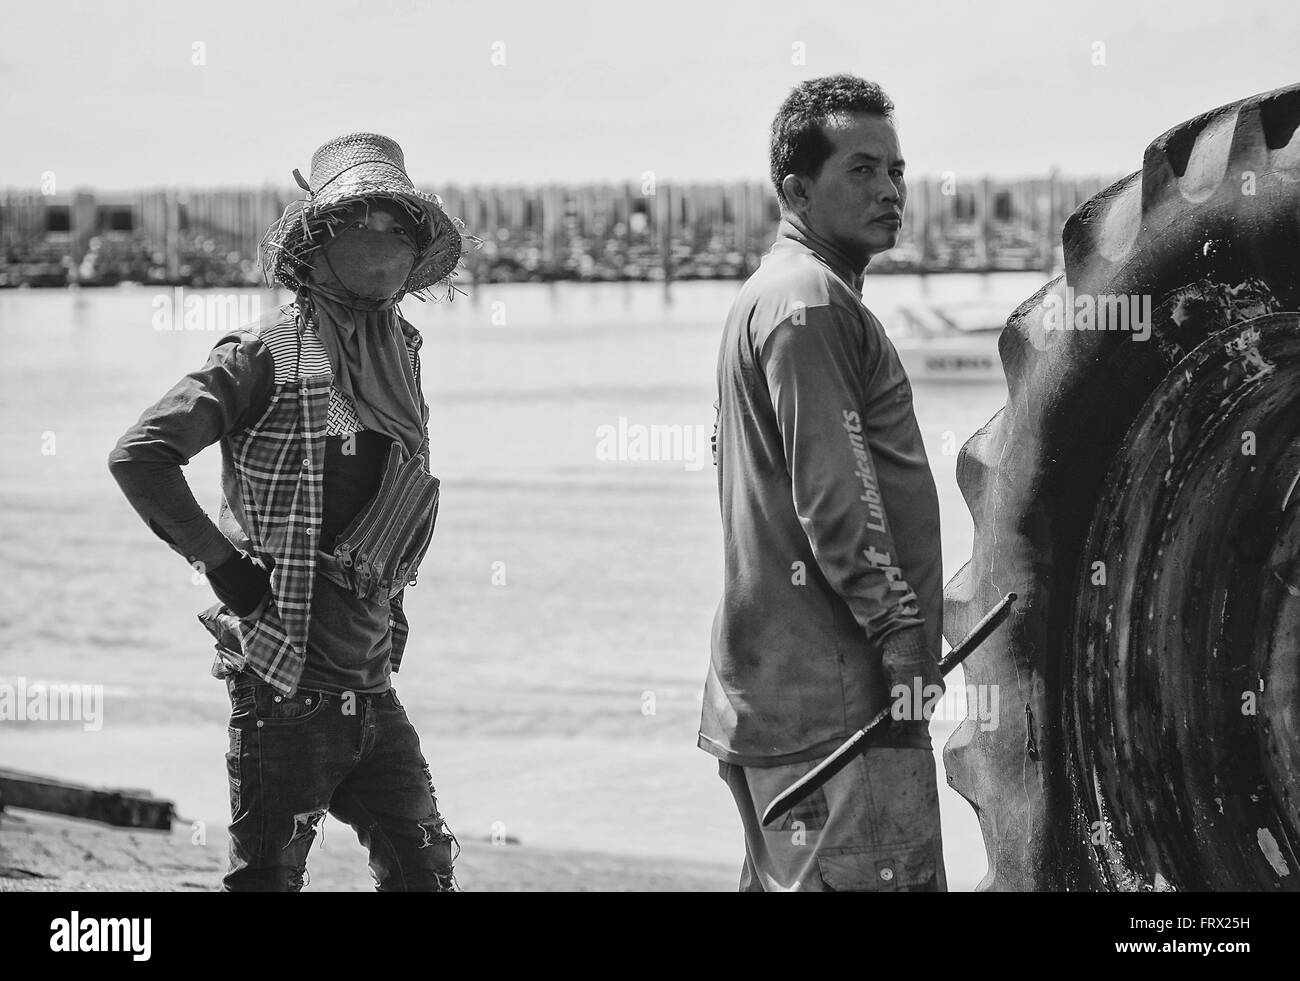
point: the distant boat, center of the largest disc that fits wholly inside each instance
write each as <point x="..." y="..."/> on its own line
<point x="954" y="341"/>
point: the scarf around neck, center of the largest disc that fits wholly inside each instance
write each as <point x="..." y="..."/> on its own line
<point x="366" y="344"/>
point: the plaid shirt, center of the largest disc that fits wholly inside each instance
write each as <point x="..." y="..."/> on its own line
<point x="273" y="458"/>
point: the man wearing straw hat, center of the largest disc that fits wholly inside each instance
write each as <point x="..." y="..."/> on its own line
<point x="328" y="507"/>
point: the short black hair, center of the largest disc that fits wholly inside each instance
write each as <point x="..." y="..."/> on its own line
<point x="799" y="143"/>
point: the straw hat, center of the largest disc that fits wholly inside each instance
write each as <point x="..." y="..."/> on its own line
<point x="348" y="168"/>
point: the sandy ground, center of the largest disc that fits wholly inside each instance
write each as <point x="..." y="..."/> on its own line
<point x="42" y="852"/>
<point x="586" y="815"/>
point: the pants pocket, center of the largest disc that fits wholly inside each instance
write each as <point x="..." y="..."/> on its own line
<point x="879" y="868"/>
<point x="275" y="709"/>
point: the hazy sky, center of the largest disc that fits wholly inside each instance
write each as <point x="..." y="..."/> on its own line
<point x="106" y="94"/>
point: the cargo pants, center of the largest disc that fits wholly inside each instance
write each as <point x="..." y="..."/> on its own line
<point x="874" y="826"/>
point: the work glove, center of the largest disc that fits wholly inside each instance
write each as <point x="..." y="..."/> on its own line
<point x="907" y="662"/>
<point x="242" y="583"/>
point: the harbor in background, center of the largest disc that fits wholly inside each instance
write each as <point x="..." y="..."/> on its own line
<point x="646" y="231"/>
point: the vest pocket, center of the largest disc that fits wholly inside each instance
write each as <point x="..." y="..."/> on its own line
<point x="382" y="548"/>
<point x="415" y="538"/>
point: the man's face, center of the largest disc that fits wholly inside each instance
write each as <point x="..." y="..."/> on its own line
<point x="381" y="216"/>
<point x="371" y="252"/>
<point x="857" y="199"/>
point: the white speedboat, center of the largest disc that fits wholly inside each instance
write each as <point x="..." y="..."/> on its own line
<point x="951" y="341"/>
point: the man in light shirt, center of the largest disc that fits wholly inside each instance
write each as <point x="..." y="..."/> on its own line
<point x="832" y="593"/>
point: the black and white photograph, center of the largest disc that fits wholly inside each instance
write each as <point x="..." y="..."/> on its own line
<point x="677" y="448"/>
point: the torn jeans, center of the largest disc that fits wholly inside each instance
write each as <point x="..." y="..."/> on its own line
<point x="293" y="759"/>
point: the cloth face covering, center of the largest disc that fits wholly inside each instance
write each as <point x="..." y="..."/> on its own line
<point x="369" y="264"/>
<point x="354" y="291"/>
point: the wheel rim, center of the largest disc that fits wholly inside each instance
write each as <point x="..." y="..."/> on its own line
<point x="1183" y="713"/>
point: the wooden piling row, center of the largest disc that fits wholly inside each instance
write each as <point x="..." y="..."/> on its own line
<point x="948" y="224"/>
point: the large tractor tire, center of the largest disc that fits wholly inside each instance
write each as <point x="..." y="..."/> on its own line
<point x="1140" y="496"/>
